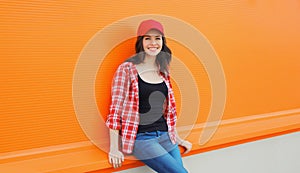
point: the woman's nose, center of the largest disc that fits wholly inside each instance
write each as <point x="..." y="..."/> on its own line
<point x="153" y="41"/>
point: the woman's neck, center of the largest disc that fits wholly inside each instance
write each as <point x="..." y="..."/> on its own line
<point x="150" y="60"/>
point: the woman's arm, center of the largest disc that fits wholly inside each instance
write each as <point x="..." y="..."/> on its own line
<point x="120" y="86"/>
<point x="186" y="144"/>
<point x="115" y="156"/>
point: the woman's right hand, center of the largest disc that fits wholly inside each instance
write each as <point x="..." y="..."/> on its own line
<point x="116" y="158"/>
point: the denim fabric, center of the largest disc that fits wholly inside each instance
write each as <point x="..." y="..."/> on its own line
<point x="157" y="151"/>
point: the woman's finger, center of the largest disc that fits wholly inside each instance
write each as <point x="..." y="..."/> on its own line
<point x="122" y="158"/>
<point x="119" y="163"/>
<point x="187" y="145"/>
<point x="116" y="159"/>
<point x="187" y="150"/>
<point x="115" y="162"/>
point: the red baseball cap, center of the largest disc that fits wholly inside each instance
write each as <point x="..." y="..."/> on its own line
<point x="147" y="25"/>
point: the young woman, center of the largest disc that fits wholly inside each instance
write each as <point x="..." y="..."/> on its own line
<point x="143" y="110"/>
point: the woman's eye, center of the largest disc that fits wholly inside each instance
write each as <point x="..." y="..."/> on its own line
<point x="158" y="38"/>
<point x="147" y="38"/>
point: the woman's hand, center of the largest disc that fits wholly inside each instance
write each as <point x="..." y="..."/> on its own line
<point x="186" y="144"/>
<point x="116" y="158"/>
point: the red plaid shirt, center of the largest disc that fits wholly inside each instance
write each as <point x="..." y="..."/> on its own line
<point x="124" y="108"/>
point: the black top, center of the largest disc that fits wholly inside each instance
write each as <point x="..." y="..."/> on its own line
<point x="151" y="100"/>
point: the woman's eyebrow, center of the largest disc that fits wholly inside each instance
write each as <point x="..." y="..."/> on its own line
<point x="150" y="35"/>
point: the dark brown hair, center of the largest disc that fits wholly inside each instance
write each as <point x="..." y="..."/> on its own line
<point x="162" y="60"/>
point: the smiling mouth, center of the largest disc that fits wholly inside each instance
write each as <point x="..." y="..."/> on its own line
<point x="152" y="48"/>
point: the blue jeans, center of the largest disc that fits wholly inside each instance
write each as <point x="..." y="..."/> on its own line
<point x="157" y="151"/>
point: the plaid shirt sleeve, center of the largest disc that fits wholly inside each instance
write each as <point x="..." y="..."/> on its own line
<point x="172" y="99"/>
<point x="120" y="87"/>
<point x="170" y="111"/>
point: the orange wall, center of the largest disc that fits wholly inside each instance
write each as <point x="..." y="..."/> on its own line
<point x="40" y="42"/>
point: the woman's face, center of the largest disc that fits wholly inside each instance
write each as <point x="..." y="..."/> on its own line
<point x="152" y="42"/>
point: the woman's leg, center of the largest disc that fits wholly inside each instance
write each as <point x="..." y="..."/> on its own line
<point x="172" y="149"/>
<point x="165" y="164"/>
<point x="175" y="153"/>
<point x="158" y="153"/>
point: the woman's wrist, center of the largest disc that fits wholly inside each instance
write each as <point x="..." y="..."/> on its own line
<point x="114" y="149"/>
<point x="180" y="141"/>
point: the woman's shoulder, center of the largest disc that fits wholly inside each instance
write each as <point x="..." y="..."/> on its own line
<point x="125" y="65"/>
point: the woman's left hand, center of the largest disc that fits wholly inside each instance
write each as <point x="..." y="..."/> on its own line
<point x="187" y="145"/>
